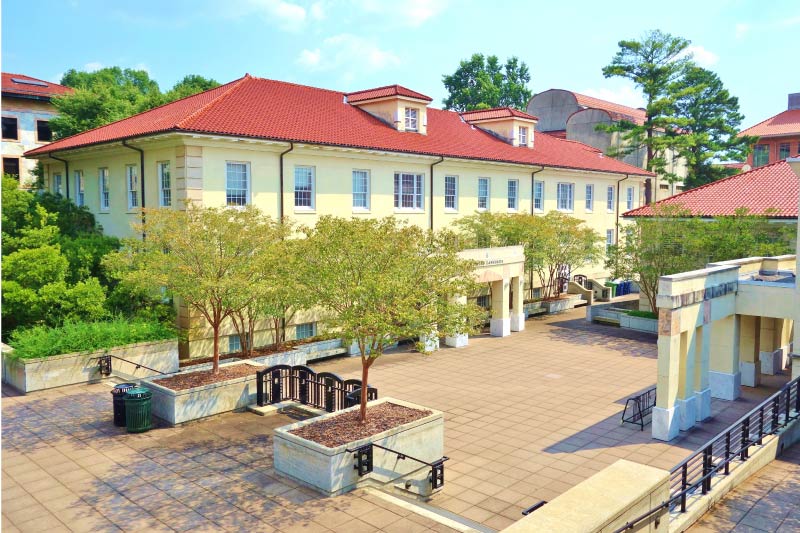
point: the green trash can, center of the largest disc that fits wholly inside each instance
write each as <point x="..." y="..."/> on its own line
<point x="137" y="410"/>
<point x="613" y="287"/>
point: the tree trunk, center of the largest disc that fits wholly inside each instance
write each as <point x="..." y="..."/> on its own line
<point x="365" y="364"/>
<point x="215" y="367"/>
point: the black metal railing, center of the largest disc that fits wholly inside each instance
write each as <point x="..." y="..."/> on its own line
<point x="535" y="507"/>
<point x="104" y="365"/>
<point x="363" y="462"/>
<point x="300" y="383"/>
<point x="638" y="407"/>
<point x="695" y="474"/>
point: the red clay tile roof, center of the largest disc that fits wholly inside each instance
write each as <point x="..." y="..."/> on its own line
<point x="49" y="89"/>
<point x="617" y="111"/>
<point x="275" y="110"/>
<point x="383" y="92"/>
<point x="786" y="123"/>
<point x="770" y="187"/>
<point x="495" y="112"/>
<point x="559" y="134"/>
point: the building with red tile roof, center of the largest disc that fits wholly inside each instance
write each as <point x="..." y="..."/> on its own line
<point x="770" y="190"/>
<point x="779" y="135"/>
<point x="26" y="115"/>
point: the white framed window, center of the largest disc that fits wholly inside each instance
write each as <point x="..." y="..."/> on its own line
<point x="102" y="181"/>
<point x="629" y="198"/>
<point x="164" y="185"/>
<point x="412" y="116"/>
<point x="513" y="195"/>
<point x="234" y="344"/>
<point x="451" y="193"/>
<point x="408" y="191"/>
<point x="538" y="196"/>
<point x="523" y="136"/>
<point x="609" y="239"/>
<point x="565" y="193"/>
<point x="80" y="188"/>
<point x="483" y="193"/>
<point x="610" y="198"/>
<point x="361" y="190"/>
<point x="590" y="198"/>
<point x="237" y="183"/>
<point x="483" y="301"/>
<point x="304" y="331"/>
<point x="132" y="180"/>
<point x="58" y="184"/>
<point x="303" y="187"/>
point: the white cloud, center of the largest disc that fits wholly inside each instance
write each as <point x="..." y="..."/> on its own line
<point x="624" y="94"/>
<point x="142" y="66"/>
<point x="317" y="10"/>
<point x="741" y="30"/>
<point x="348" y="54"/>
<point x="788" y="23"/>
<point x="92" y="66"/>
<point x="288" y="15"/>
<point x="409" y="13"/>
<point x="701" y="56"/>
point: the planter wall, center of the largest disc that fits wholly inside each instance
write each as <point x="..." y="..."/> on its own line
<point x="637" y="323"/>
<point x="28" y="375"/>
<point x="320" y="349"/>
<point x="291" y="357"/>
<point x="330" y="470"/>
<point x="177" y="407"/>
<point x="533" y="308"/>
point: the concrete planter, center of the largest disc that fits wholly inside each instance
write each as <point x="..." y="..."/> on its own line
<point x="320" y="349"/>
<point x="637" y="323"/>
<point x="28" y="375"/>
<point x="330" y="470"/>
<point x="290" y="357"/>
<point x="560" y="305"/>
<point x="179" y="406"/>
<point x="533" y="308"/>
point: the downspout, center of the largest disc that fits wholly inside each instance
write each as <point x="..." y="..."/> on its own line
<point x="533" y="190"/>
<point x="141" y="180"/>
<point x="616" y="234"/>
<point x="441" y="158"/>
<point x="66" y="169"/>
<point x="280" y="182"/>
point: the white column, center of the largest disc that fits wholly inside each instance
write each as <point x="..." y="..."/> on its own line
<point x="457" y="341"/>
<point x="500" y="323"/>
<point x="701" y="380"/>
<point x="517" y="305"/>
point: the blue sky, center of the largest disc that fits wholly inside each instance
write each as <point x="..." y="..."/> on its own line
<point x="357" y="44"/>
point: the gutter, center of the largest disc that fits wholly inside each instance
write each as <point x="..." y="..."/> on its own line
<point x="533" y="190"/>
<point x="616" y="226"/>
<point x="66" y="170"/>
<point x="141" y="180"/>
<point x="441" y="158"/>
<point x="280" y="182"/>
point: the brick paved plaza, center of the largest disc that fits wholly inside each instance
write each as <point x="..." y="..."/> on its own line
<point x="527" y="417"/>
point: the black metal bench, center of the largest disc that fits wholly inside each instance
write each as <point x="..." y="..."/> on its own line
<point x="638" y="407"/>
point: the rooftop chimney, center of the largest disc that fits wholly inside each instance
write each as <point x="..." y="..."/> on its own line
<point x="794" y="101"/>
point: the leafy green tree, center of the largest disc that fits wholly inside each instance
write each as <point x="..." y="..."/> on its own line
<point x="653" y="64"/>
<point x="202" y="255"/>
<point x="382" y="280"/>
<point x="709" y="119"/>
<point x="189" y="85"/>
<point x="482" y="82"/>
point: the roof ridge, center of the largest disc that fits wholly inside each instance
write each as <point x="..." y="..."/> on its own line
<point x="233" y="85"/>
<point x="379" y="88"/>
<point x="608" y="101"/>
<point x="763" y="121"/>
<point x="298" y="85"/>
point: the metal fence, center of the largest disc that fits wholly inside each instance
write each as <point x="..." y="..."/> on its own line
<point x="300" y="383"/>
<point x="638" y="407"/>
<point x="695" y="474"/>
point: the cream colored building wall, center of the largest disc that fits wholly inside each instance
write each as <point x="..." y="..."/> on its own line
<point x="27" y="112"/>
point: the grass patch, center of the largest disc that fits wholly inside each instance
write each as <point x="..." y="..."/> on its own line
<point x="43" y="341"/>
<point x="641" y="314"/>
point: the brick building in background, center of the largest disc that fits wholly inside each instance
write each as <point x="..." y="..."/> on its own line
<point x="779" y="135"/>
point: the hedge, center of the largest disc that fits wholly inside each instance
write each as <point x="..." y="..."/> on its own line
<point x="43" y="341"/>
<point x="642" y="314"/>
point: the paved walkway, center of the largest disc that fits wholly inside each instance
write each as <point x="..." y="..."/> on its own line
<point x="767" y="502"/>
<point x="527" y="417"/>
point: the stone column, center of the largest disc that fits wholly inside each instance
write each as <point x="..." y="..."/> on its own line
<point x="767" y="345"/>
<point x="749" y="331"/>
<point x="702" y="389"/>
<point x="500" y="324"/>
<point x="724" y="376"/>
<point x="517" y="305"/>
<point x="665" y="424"/>
<point x="458" y="341"/>
<point x="188" y="176"/>
<point x="686" y="402"/>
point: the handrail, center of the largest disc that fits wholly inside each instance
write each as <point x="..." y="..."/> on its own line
<point x="104" y="361"/>
<point x="401" y="455"/>
<point x="534" y="507"/>
<point x="767" y="418"/>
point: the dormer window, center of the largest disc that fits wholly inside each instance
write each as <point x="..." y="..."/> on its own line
<point x="411" y="119"/>
<point x="523" y="136"/>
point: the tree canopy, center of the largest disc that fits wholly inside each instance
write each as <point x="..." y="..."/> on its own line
<point x="111" y="94"/>
<point x="383" y="280"/>
<point x="690" y="114"/>
<point x="482" y="82"/>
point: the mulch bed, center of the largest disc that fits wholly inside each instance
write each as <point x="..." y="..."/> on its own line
<point x="205" y="377"/>
<point x="346" y="427"/>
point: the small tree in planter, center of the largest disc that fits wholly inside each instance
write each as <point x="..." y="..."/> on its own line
<point x="383" y="280"/>
<point x="205" y="256"/>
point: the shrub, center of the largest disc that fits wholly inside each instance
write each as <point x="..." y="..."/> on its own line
<point x="641" y="314"/>
<point x="42" y="341"/>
